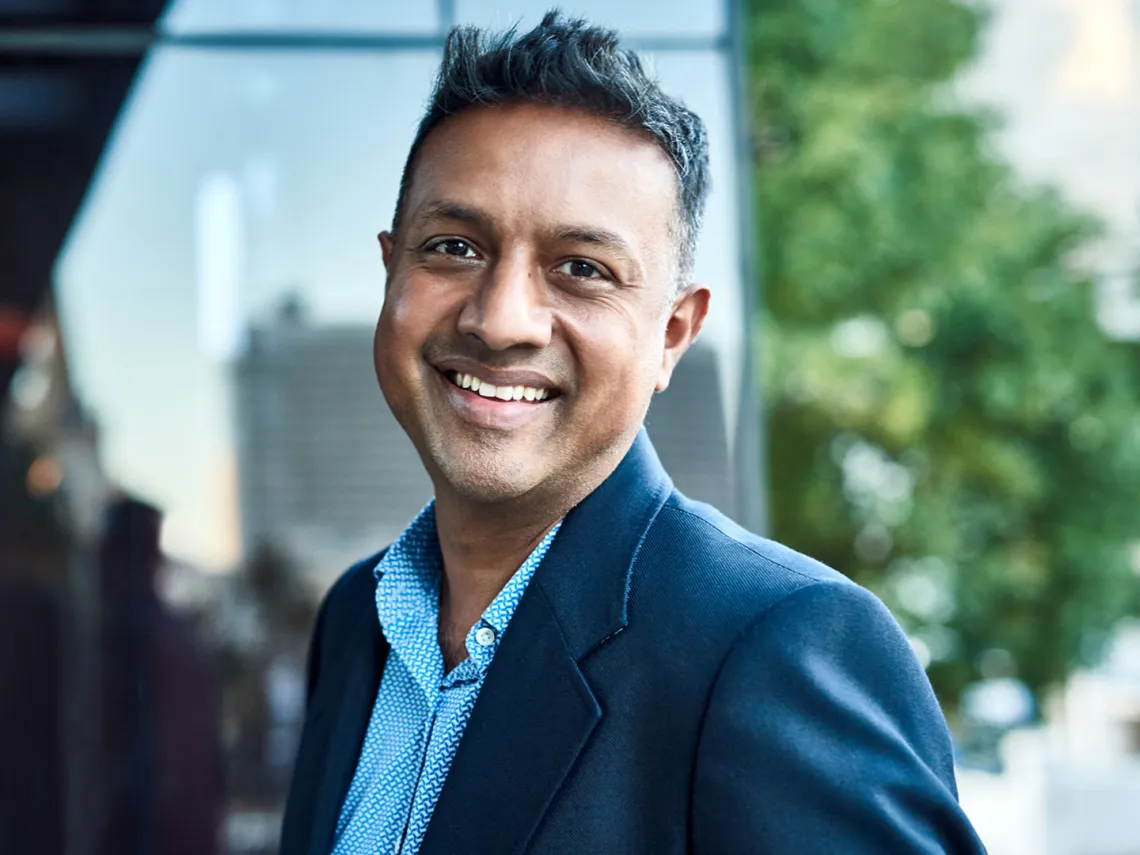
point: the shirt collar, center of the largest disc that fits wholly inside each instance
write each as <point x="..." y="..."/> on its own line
<point x="407" y="601"/>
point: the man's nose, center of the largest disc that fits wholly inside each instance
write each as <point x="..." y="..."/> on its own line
<point x="509" y="308"/>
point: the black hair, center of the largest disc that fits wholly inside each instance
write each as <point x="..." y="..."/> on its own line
<point x="570" y="63"/>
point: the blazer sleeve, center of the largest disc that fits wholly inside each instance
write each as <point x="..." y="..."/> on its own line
<point x="823" y="735"/>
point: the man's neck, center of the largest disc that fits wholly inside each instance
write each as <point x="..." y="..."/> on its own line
<point x="482" y="546"/>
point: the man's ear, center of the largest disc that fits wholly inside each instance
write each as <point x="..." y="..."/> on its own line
<point x="386" y="245"/>
<point x="685" y="321"/>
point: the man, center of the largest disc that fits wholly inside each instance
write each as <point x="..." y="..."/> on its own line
<point x="562" y="654"/>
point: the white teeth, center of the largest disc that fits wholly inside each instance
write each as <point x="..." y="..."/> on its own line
<point x="503" y="393"/>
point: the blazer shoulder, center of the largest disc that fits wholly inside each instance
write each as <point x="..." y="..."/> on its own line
<point x="736" y="549"/>
<point x="700" y="555"/>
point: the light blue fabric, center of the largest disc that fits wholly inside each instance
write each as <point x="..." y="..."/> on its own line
<point x="420" y="713"/>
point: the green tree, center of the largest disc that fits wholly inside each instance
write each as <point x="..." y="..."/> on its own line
<point x="947" y="424"/>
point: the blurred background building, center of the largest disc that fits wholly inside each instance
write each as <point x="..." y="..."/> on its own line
<point x="919" y="365"/>
<point x="325" y="470"/>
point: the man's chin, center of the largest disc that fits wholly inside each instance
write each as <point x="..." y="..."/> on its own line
<point x="488" y="478"/>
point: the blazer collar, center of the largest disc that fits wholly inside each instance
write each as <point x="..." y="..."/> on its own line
<point x="536" y="709"/>
<point x="586" y="575"/>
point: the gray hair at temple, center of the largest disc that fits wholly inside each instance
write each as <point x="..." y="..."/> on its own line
<point x="570" y="63"/>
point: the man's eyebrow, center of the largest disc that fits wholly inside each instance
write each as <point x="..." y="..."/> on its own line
<point x="594" y="237"/>
<point x="455" y="211"/>
<point x="446" y="209"/>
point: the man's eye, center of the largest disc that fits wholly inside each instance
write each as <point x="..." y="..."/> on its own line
<point x="454" y="247"/>
<point x="580" y="269"/>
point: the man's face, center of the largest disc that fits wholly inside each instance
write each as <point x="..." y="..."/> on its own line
<point x="531" y="307"/>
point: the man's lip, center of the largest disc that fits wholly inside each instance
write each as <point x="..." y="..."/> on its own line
<point x="492" y="413"/>
<point x="496" y="376"/>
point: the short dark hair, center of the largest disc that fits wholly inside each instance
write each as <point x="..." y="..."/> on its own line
<point x="570" y="63"/>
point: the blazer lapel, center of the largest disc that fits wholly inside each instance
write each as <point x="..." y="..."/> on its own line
<point x="536" y="710"/>
<point x="347" y="720"/>
<point x="518" y="745"/>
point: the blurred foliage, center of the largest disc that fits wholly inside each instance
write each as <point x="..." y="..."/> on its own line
<point x="948" y="425"/>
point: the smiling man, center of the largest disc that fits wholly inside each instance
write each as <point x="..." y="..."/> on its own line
<point x="562" y="654"/>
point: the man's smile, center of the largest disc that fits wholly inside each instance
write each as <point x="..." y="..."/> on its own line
<point x="487" y="389"/>
<point x="504" y="405"/>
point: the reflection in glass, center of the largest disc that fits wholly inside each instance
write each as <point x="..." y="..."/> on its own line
<point x="312" y="16"/>
<point x="217" y="298"/>
<point x="666" y="18"/>
<point x="232" y="181"/>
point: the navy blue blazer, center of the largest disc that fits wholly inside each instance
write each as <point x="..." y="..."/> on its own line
<point x="670" y="683"/>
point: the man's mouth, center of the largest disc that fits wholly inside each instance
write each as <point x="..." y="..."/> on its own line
<point x="503" y="393"/>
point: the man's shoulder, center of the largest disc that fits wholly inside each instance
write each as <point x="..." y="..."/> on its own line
<point x="705" y="562"/>
<point x="703" y="534"/>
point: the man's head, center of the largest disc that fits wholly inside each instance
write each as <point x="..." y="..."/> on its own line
<point x="574" y="65"/>
<point x="539" y="259"/>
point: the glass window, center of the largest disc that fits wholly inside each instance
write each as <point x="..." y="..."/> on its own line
<point x="207" y="352"/>
<point x="314" y="16"/>
<point x="236" y="184"/>
<point x="701" y="79"/>
<point x="667" y="18"/>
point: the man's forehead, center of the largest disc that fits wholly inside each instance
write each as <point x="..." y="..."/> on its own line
<point x="543" y="161"/>
<point x="545" y="121"/>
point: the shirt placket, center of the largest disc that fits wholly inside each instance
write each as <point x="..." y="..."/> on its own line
<point x="453" y="691"/>
<point x="425" y="750"/>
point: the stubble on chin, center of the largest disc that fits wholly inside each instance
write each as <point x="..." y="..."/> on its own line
<point x="479" y="470"/>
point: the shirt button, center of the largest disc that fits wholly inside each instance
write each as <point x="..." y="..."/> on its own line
<point x="485" y="636"/>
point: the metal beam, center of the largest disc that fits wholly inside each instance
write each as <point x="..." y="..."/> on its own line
<point x="136" y="41"/>
<point x="750" y="443"/>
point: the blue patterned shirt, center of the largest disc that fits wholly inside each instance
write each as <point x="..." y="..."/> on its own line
<point x="420" y="712"/>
